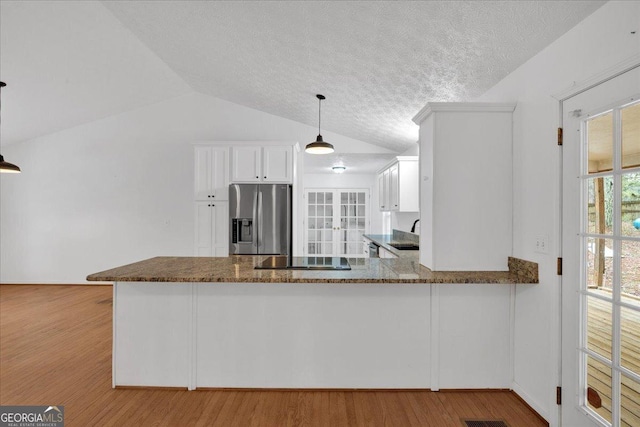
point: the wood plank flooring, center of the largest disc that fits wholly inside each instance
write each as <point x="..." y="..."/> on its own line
<point x="599" y="330"/>
<point x="55" y="349"/>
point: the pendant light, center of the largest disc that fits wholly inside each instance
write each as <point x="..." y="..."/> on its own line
<point x="7" y="167"/>
<point x="319" y="146"/>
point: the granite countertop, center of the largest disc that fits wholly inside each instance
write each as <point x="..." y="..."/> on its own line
<point x="240" y="268"/>
<point x="384" y="240"/>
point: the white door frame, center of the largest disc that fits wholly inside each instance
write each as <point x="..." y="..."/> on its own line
<point x="569" y="395"/>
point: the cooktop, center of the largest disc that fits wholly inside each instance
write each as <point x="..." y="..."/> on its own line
<point x="280" y="262"/>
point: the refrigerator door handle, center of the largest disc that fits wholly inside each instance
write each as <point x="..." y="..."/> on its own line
<point x="255" y="223"/>
<point x="260" y="215"/>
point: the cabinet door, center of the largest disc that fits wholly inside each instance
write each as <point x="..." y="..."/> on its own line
<point x="211" y="173"/>
<point x="384" y="191"/>
<point x="220" y="173"/>
<point x="203" y="166"/>
<point x="393" y="188"/>
<point x="245" y="164"/>
<point x="277" y="164"/>
<point x="381" y="192"/>
<point x="204" y="229"/>
<point x="383" y="253"/>
<point x="212" y="229"/>
<point x="220" y="229"/>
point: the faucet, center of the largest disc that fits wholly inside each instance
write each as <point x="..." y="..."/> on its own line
<point x="413" y="227"/>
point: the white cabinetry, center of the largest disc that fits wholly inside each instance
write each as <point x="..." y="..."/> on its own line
<point x="467" y="186"/>
<point x="277" y="164"/>
<point x="383" y="253"/>
<point x="211" y="173"/>
<point x="383" y="190"/>
<point x="245" y="164"/>
<point x="365" y="247"/>
<point x="262" y="164"/>
<point x="398" y="185"/>
<point x="212" y="229"/>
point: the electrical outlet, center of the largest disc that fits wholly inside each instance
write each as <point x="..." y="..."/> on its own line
<point x="542" y="244"/>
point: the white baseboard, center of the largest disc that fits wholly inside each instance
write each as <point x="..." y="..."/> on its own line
<point x="517" y="388"/>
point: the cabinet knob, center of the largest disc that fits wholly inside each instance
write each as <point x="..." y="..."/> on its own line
<point x="213" y="195"/>
<point x="265" y="177"/>
<point x="209" y="196"/>
<point x="257" y="177"/>
<point x="211" y="206"/>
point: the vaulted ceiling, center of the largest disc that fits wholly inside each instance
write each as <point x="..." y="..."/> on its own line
<point x="377" y="62"/>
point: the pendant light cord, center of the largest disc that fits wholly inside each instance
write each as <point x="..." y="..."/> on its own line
<point x="319" y="109"/>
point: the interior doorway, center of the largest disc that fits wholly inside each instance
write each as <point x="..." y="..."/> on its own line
<point x="335" y="221"/>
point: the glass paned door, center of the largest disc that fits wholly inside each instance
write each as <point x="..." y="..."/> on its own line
<point x="320" y="223"/>
<point x="353" y="218"/>
<point x="601" y="255"/>
<point x="335" y="221"/>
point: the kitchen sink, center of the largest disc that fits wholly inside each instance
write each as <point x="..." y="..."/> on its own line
<point x="405" y="246"/>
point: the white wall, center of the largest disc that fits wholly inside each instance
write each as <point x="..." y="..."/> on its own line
<point x="346" y="180"/>
<point x="120" y="189"/>
<point x="601" y="41"/>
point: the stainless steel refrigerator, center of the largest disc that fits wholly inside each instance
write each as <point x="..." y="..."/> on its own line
<point x="260" y="219"/>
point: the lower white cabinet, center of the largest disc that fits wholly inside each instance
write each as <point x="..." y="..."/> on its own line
<point x="383" y="253"/>
<point x="365" y="247"/>
<point x="212" y="229"/>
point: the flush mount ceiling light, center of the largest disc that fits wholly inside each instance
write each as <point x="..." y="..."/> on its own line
<point x="339" y="169"/>
<point x="319" y="146"/>
<point x="7" y="167"/>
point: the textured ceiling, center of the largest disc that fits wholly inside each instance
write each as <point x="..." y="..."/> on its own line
<point x="378" y="63"/>
<point x="355" y="163"/>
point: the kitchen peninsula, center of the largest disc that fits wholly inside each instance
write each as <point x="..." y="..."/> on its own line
<point x="198" y="322"/>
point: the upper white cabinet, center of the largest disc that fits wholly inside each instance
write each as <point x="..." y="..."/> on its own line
<point x="398" y="185"/>
<point x="466" y="195"/>
<point x="246" y="164"/>
<point x="277" y="164"/>
<point x="383" y="190"/>
<point x="211" y="173"/>
<point x="262" y="164"/>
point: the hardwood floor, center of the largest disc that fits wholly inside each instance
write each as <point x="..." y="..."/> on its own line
<point x="599" y="336"/>
<point x="55" y="349"/>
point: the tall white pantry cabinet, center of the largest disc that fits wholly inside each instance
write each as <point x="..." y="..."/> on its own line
<point x="216" y="165"/>
<point x="211" y="200"/>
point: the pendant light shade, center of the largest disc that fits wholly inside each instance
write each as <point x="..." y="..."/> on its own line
<point x="319" y="146"/>
<point x="7" y="167"/>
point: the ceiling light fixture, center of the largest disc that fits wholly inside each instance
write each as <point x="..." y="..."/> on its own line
<point x="7" y="167"/>
<point x="319" y="146"/>
<point x="339" y="169"/>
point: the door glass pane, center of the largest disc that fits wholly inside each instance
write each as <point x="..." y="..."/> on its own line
<point x="630" y="209"/>
<point x="630" y="338"/>
<point x="630" y="118"/>
<point x="600" y="209"/>
<point x="630" y="268"/>
<point x="630" y="402"/>
<point x="599" y="329"/>
<point x="351" y="213"/>
<point x="599" y="380"/>
<point x="599" y="263"/>
<point x="600" y="143"/>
